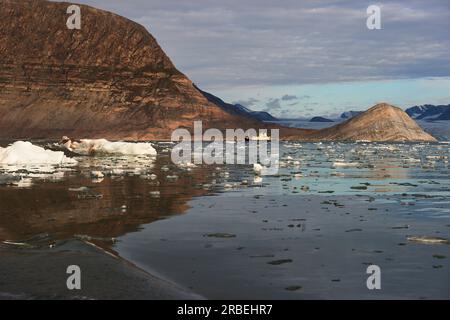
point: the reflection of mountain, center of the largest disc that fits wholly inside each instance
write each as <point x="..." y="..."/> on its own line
<point x="125" y="205"/>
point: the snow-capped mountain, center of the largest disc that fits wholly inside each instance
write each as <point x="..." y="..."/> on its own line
<point x="429" y="112"/>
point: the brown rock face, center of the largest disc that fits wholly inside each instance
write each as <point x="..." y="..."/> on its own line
<point x="110" y="79"/>
<point x="382" y="122"/>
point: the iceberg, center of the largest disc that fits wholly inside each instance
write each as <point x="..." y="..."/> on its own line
<point x="23" y="153"/>
<point x="103" y="146"/>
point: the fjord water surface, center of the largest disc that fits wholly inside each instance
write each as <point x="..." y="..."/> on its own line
<point x="309" y="232"/>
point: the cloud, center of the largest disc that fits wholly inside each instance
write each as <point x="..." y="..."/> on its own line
<point x="272" y="104"/>
<point x="250" y="102"/>
<point x="223" y="44"/>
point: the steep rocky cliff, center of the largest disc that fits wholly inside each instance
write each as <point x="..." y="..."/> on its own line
<point x="109" y="79"/>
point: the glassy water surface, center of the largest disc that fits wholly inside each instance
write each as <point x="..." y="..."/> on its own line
<point x="308" y="232"/>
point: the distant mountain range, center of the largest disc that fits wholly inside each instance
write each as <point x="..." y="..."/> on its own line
<point x="429" y="112"/>
<point x="237" y="109"/>
<point x="350" y="114"/>
<point x="423" y="112"/>
<point x="320" y="119"/>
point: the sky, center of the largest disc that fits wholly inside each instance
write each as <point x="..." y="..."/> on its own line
<point x="300" y="58"/>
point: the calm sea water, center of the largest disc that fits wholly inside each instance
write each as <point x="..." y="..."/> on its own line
<point x="308" y="232"/>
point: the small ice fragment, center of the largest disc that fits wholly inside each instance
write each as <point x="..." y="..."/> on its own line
<point x="23" y="183"/>
<point x="97" y="174"/>
<point x="257" y="180"/>
<point x="428" y="240"/>
<point x="155" y="194"/>
<point x="117" y="172"/>
<point x="257" y="168"/>
<point x="80" y="189"/>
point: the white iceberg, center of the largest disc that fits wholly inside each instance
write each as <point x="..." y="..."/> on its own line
<point x="23" y="153"/>
<point x="103" y="146"/>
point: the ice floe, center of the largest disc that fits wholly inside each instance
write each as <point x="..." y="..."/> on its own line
<point x="103" y="146"/>
<point x="22" y="153"/>
<point x="428" y="240"/>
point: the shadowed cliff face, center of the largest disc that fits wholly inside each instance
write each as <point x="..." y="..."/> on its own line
<point x="110" y="79"/>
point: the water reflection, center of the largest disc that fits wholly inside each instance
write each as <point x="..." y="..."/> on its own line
<point x="110" y="207"/>
<point x="131" y="192"/>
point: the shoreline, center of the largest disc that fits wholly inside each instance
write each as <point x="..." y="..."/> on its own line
<point x="40" y="274"/>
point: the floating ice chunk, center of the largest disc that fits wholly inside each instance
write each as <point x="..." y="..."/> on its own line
<point x="97" y="175"/>
<point x="25" y="153"/>
<point x="24" y="183"/>
<point x="257" y="180"/>
<point x="103" y="146"/>
<point x="186" y="165"/>
<point x="117" y="172"/>
<point x="345" y="164"/>
<point x="80" y="189"/>
<point x="155" y="194"/>
<point x="257" y="168"/>
<point x="429" y="240"/>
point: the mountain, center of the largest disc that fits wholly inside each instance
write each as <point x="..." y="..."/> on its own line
<point x="382" y="122"/>
<point x="350" y="114"/>
<point x="428" y="111"/>
<point x="320" y="119"/>
<point x="237" y="109"/>
<point x="110" y="79"/>
<point x="445" y="115"/>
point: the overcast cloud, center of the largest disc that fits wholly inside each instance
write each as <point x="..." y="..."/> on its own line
<point x="279" y="42"/>
<point x="229" y="47"/>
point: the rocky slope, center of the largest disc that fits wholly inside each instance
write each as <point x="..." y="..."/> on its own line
<point x="112" y="80"/>
<point x="238" y="109"/>
<point x="382" y="122"/>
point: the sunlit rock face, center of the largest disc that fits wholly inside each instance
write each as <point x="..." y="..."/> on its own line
<point x="382" y="122"/>
<point x="110" y="79"/>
